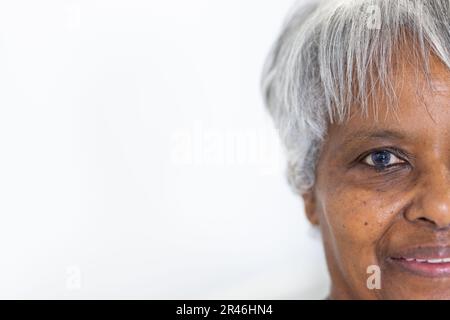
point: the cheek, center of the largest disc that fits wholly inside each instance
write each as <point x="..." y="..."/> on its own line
<point x="353" y="223"/>
<point x="355" y="211"/>
<point x="355" y="216"/>
<point x="356" y="219"/>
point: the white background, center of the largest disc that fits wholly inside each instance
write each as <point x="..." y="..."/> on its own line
<point x="137" y="160"/>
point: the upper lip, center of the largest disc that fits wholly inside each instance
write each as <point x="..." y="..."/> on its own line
<point x="423" y="252"/>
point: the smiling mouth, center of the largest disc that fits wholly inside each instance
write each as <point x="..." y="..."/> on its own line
<point x="424" y="261"/>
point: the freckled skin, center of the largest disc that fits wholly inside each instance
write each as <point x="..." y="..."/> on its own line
<point x="364" y="215"/>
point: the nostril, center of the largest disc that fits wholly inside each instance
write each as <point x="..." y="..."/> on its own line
<point x="435" y="224"/>
<point x="428" y="221"/>
<point x="425" y="220"/>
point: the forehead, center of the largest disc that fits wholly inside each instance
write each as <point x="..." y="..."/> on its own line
<point x="422" y="107"/>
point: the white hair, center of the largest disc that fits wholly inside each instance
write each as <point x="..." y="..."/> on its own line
<point x="340" y="53"/>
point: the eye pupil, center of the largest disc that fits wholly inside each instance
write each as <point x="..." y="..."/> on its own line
<point x="381" y="158"/>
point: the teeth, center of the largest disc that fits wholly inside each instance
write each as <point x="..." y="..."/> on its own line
<point x="444" y="260"/>
<point x="434" y="261"/>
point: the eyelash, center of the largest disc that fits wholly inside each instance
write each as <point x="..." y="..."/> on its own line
<point x="401" y="155"/>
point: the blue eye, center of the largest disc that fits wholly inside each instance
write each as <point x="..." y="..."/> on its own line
<point x="382" y="159"/>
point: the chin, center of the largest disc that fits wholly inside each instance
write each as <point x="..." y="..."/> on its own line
<point x="401" y="284"/>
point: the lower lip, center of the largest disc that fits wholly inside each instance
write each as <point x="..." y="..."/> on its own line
<point x="423" y="268"/>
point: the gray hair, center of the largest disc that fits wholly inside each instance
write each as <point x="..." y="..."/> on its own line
<point x="339" y="53"/>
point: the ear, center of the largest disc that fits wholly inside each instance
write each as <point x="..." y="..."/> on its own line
<point x="309" y="200"/>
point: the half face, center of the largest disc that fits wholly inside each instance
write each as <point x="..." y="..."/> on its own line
<point x="382" y="196"/>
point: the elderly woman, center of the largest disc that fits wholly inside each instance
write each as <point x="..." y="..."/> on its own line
<point x="360" y="93"/>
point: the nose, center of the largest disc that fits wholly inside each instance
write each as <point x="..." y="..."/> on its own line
<point x="432" y="205"/>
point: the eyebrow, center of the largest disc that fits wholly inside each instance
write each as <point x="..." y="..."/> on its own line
<point x="365" y="135"/>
